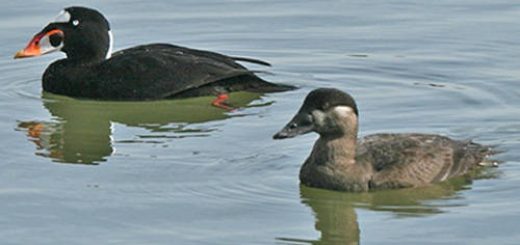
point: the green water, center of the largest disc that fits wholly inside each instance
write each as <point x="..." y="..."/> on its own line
<point x="183" y="172"/>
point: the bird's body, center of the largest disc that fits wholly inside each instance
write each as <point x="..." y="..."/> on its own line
<point x="339" y="161"/>
<point x="145" y="72"/>
<point x="385" y="161"/>
<point x="153" y="71"/>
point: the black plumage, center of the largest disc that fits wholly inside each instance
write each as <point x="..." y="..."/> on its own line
<point x="146" y="72"/>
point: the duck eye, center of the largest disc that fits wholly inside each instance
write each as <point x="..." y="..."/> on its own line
<point x="55" y="40"/>
<point x="307" y="120"/>
<point x="293" y="125"/>
<point x="75" y="22"/>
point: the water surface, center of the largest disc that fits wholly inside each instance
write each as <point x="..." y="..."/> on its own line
<point x="181" y="172"/>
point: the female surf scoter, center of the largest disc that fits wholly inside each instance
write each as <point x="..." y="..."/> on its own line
<point x="380" y="161"/>
<point x="146" y="72"/>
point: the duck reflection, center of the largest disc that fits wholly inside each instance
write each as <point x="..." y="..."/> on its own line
<point x="335" y="212"/>
<point x="81" y="130"/>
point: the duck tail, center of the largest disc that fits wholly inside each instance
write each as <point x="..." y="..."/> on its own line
<point x="482" y="154"/>
<point x="268" y="87"/>
<point x="251" y="60"/>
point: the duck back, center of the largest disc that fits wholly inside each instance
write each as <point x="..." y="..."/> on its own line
<point x="409" y="160"/>
<point x="154" y="71"/>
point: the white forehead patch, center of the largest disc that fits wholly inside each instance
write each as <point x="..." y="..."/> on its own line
<point x="63" y="17"/>
<point x="343" y="110"/>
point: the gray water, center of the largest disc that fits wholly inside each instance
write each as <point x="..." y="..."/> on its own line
<point x="182" y="172"/>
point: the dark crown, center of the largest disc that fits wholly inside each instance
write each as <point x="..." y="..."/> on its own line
<point x="326" y="98"/>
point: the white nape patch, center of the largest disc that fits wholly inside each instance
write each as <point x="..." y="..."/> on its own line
<point x="112" y="141"/>
<point x="343" y="111"/>
<point x="63" y="17"/>
<point x="111" y="45"/>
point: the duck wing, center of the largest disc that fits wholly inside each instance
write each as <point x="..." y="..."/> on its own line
<point x="406" y="160"/>
<point x="157" y="71"/>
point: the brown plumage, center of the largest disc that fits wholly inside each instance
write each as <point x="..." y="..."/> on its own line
<point x="339" y="161"/>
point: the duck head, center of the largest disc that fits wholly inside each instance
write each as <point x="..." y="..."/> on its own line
<point x="81" y="33"/>
<point x="326" y="111"/>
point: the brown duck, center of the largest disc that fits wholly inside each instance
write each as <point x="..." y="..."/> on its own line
<point x="339" y="161"/>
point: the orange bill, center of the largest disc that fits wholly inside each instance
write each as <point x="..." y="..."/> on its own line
<point x="34" y="48"/>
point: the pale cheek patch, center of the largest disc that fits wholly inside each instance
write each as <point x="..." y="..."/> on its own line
<point x="343" y="111"/>
<point x="319" y="117"/>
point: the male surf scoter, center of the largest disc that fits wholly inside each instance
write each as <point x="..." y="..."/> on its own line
<point x="145" y="72"/>
<point x="380" y="161"/>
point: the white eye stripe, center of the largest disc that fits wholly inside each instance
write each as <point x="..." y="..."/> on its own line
<point x="63" y="17"/>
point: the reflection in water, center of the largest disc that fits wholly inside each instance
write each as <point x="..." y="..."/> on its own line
<point x="335" y="212"/>
<point x="82" y="129"/>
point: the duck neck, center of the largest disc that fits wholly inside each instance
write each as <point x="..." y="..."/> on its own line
<point x="332" y="165"/>
<point x="95" y="47"/>
<point x="89" y="57"/>
<point x="337" y="150"/>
